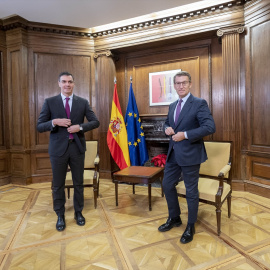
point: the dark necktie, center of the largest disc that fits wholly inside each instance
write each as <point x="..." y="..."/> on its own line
<point x="67" y="108"/>
<point x="178" y="110"/>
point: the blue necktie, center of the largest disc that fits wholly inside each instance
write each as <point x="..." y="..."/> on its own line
<point x="178" y="110"/>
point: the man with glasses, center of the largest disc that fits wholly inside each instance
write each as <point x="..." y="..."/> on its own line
<point x="189" y="120"/>
<point x="63" y="115"/>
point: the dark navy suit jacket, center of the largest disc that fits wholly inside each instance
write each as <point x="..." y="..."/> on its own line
<point x="54" y="108"/>
<point x="196" y="119"/>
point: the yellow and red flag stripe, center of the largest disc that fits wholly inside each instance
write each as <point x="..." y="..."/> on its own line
<point x="117" y="134"/>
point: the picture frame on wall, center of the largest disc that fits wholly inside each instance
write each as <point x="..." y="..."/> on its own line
<point x="161" y="87"/>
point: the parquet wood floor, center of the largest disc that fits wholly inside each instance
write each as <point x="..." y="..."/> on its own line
<point x="126" y="237"/>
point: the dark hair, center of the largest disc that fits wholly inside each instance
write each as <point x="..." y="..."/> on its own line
<point x="65" y="73"/>
<point x="182" y="73"/>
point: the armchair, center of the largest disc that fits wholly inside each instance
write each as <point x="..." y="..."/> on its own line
<point x="215" y="183"/>
<point x="91" y="170"/>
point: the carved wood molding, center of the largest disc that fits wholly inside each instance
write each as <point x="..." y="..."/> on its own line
<point x="105" y="53"/>
<point x="151" y="21"/>
<point x="257" y="184"/>
<point x="19" y="22"/>
<point x="184" y="15"/>
<point x="231" y="82"/>
<point x="230" y="30"/>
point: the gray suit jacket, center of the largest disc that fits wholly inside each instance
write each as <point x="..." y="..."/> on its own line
<point x="53" y="108"/>
<point x="195" y="118"/>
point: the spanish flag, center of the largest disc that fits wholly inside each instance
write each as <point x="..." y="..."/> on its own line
<point x="117" y="134"/>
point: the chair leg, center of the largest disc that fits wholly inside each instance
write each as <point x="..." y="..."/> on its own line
<point x="98" y="189"/>
<point x="218" y="215"/>
<point x="162" y="192"/>
<point x="133" y="188"/>
<point x="229" y="202"/>
<point x="95" y="197"/>
<point x="116" y="193"/>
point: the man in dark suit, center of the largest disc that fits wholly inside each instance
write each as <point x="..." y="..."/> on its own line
<point x="63" y="115"/>
<point x="188" y="121"/>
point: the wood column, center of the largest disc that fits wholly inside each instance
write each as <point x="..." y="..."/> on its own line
<point x="232" y="124"/>
<point x="105" y="74"/>
<point x="18" y="104"/>
<point x="5" y="175"/>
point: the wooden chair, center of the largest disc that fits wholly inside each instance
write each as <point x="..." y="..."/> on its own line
<point x="212" y="187"/>
<point x="91" y="170"/>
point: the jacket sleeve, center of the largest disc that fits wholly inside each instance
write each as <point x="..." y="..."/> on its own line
<point x="92" y="121"/>
<point x="44" y="122"/>
<point x="206" y="123"/>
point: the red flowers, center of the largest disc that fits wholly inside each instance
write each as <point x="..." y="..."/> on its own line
<point x="159" y="160"/>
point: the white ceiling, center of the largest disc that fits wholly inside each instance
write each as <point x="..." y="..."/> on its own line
<point x="84" y="13"/>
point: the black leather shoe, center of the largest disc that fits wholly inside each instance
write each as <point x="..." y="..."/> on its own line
<point x="61" y="223"/>
<point x="187" y="236"/>
<point x="79" y="218"/>
<point x="170" y="223"/>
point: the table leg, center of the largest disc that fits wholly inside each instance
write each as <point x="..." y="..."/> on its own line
<point x="149" y="197"/>
<point x="116" y="193"/>
<point x="162" y="192"/>
<point x="133" y="188"/>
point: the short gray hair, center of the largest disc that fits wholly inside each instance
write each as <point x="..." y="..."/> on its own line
<point x="182" y="73"/>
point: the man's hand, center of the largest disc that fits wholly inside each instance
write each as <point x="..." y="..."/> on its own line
<point x="179" y="136"/>
<point x="169" y="131"/>
<point x="62" y="122"/>
<point x="74" y="129"/>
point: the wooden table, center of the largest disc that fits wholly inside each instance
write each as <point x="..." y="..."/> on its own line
<point x="138" y="175"/>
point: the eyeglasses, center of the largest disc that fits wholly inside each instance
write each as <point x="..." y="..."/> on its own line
<point x="185" y="83"/>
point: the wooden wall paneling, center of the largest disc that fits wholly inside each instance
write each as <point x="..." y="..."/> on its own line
<point x="15" y="100"/>
<point x="217" y="87"/>
<point x="105" y="74"/>
<point x="47" y="67"/>
<point x="5" y="174"/>
<point x="260" y="87"/>
<point x="41" y="167"/>
<point x="257" y="44"/>
<point x="2" y="137"/>
<point x="193" y="58"/>
<point x="21" y="168"/>
<point x="18" y="105"/>
<point x="232" y="93"/>
<point x="51" y="52"/>
<point x="93" y="99"/>
<point x="258" y="174"/>
<point x="4" y="168"/>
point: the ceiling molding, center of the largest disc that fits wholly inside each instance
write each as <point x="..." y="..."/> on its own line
<point x="197" y="19"/>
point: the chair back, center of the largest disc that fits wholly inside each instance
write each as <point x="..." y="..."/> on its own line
<point x="219" y="155"/>
<point x="90" y="154"/>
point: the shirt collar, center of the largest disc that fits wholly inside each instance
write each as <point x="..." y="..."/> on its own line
<point x="185" y="98"/>
<point x="64" y="97"/>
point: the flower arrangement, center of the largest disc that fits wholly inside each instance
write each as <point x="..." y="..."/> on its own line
<point x="159" y="160"/>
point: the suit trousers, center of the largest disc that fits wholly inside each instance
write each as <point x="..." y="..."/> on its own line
<point x="172" y="174"/>
<point x="75" y="159"/>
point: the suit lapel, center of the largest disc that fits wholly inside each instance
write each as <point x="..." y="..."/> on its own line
<point x="75" y="106"/>
<point x="185" y="109"/>
<point x="61" y="106"/>
<point x="172" y="113"/>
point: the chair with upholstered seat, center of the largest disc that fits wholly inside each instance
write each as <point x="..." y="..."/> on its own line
<point x="215" y="182"/>
<point x="91" y="170"/>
